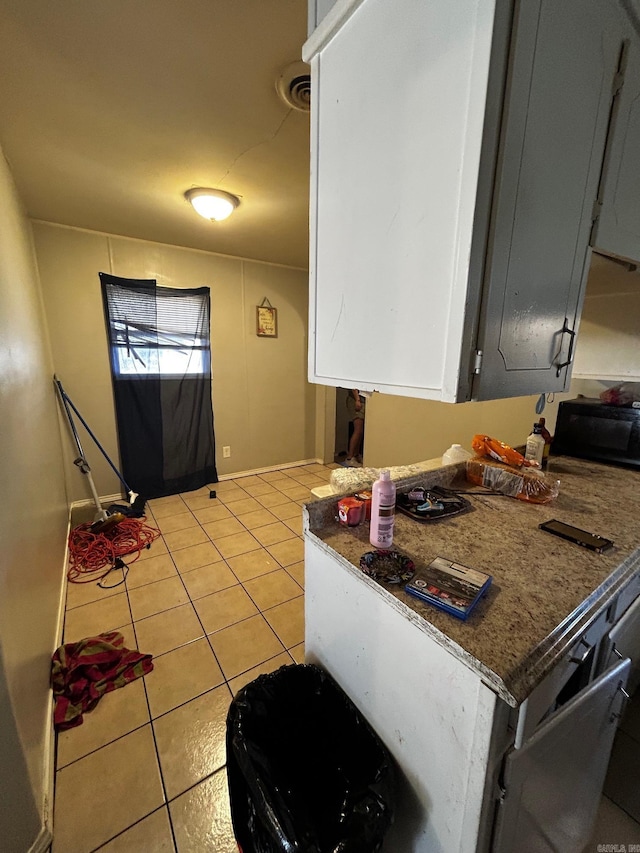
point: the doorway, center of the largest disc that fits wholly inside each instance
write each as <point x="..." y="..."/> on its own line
<point x="344" y="427"/>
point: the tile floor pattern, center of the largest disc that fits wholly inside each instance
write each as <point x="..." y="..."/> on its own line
<point x="217" y="600"/>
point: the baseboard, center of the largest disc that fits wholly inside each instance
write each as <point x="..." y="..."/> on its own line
<point x="45" y="837"/>
<point x="63" y="585"/>
<point x="280" y="467"/>
<point x="105" y="500"/>
<point x="42" y="842"/>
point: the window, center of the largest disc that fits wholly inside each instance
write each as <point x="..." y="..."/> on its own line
<point x="157" y="351"/>
<point x="159" y="331"/>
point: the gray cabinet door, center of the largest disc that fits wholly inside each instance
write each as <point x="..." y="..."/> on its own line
<point x="624" y="641"/>
<point x="553" y="783"/>
<point x="617" y="231"/>
<point x="559" y="90"/>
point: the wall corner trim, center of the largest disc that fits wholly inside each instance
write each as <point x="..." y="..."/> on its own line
<point x="42" y="842"/>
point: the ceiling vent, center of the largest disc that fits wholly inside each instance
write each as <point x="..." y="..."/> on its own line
<point x="293" y="84"/>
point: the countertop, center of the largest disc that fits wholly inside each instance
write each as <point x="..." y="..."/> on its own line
<point x="545" y="590"/>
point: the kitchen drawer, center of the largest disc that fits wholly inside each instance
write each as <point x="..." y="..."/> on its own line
<point x="542" y="700"/>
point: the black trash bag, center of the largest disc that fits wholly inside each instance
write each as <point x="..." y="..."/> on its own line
<point x="306" y="772"/>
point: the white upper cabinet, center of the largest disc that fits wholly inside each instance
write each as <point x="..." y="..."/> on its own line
<point x="617" y="228"/>
<point x="456" y="154"/>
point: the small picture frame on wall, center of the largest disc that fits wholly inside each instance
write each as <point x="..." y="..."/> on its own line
<point x="266" y="320"/>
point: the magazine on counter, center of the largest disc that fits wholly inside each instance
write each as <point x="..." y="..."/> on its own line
<point x="449" y="586"/>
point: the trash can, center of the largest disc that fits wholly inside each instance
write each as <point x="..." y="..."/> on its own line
<point x="306" y="772"/>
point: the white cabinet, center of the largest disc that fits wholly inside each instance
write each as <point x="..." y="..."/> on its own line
<point x="434" y="714"/>
<point x="466" y="782"/>
<point x="456" y="153"/>
<point x="617" y="229"/>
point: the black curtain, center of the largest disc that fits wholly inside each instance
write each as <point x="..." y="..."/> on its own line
<point x="161" y="372"/>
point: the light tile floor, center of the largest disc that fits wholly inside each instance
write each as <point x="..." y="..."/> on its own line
<point x="217" y="600"/>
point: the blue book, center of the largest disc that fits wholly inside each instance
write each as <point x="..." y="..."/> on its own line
<point x="449" y="586"/>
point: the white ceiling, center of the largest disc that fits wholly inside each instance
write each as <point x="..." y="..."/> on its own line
<point x="111" y="109"/>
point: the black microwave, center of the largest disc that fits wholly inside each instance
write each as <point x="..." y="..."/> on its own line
<point x="591" y="429"/>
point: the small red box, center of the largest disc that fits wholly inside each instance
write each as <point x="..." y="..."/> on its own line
<point x="366" y="498"/>
<point x="350" y="511"/>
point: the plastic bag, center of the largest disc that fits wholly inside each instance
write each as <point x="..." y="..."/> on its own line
<point x="527" y="484"/>
<point x="622" y="394"/>
<point x="306" y="772"/>
<point x="484" y="445"/>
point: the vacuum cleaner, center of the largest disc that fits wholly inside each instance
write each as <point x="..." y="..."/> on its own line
<point x="115" y="512"/>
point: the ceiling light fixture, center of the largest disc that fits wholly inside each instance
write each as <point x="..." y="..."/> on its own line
<point x="212" y="204"/>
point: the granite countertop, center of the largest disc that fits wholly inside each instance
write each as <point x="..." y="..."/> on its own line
<point x="545" y="590"/>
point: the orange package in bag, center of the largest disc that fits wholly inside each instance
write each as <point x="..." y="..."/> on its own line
<point x="531" y="485"/>
<point x="484" y="445"/>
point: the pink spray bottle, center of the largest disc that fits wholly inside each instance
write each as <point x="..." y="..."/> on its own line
<point x="383" y="507"/>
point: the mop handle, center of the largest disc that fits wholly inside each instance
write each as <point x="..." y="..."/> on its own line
<point x="66" y="399"/>
<point x="76" y="437"/>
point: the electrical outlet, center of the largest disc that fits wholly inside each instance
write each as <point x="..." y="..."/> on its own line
<point x="226" y="452"/>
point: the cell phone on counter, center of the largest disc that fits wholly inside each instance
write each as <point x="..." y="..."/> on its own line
<point x="573" y="534"/>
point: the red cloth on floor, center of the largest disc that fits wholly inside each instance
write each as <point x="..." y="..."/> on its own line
<point x="81" y="674"/>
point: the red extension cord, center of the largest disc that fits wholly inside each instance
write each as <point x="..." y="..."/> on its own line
<point x="89" y="552"/>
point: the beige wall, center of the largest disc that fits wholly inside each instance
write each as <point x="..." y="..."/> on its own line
<point x="400" y="430"/>
<point x="32" y="534"/>
<point x="263" y="407"/>
<point x="608" y="343"/>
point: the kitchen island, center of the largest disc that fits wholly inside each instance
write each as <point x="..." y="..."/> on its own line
<point x="454" y="700"/>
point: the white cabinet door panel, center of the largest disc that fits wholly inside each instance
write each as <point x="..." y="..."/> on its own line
<point x="392" y="228"/>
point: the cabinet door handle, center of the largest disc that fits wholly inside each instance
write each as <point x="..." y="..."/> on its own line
<point x="617" y="715"/>
<point x="581" y="658"/>
<point x="572" y="337"/>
